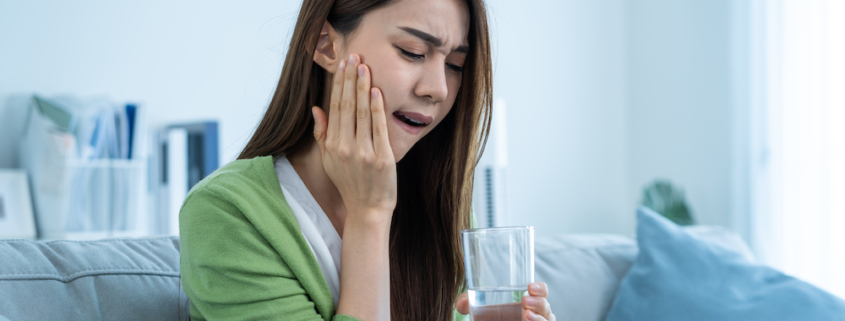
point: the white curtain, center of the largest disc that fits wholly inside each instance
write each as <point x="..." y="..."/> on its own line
<point x="794" y="131"/>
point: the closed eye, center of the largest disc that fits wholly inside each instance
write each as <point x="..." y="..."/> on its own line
<point x="411" y="55"/>
<point x="455" y="68"/>
<point x="417" y="57"/>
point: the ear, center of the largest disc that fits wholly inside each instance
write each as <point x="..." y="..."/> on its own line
<point x="328" y="48"/>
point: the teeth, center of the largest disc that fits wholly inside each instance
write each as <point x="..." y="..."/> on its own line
<point x="415" y="122"/>
<point x="411" y="121"/>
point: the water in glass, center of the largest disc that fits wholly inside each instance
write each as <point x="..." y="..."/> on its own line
<point x="496" y="303"/>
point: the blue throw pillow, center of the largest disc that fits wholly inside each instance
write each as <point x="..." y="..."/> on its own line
<point x="679" y="277"/>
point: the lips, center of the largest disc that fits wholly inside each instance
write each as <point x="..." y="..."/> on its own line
<point x="412" y="123"/>
<point x="413" y="119"/>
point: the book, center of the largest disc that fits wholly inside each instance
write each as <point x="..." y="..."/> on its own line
<point x="131" y="111"/>
<point x="187" y="153"/>
<point x="176" y="176"/>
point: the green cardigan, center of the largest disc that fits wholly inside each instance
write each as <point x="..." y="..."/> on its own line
<point x="243" y="256"/>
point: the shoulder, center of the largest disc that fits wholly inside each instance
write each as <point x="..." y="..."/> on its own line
<point x="243" y="176"/>
<point x="243" y="196"/>
<point x="241" y="189"/>
<point x="241" y="244"/>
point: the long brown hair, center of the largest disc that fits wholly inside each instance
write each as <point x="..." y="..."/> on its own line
<point x="434" y="177"/>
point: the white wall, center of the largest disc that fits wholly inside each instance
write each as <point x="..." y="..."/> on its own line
<point x="679" y="101"/>
<point x="185" y="60"/>
<point x="602" y="96"/>
<point x="560" y="65"/>
<point x="606" y="96"/>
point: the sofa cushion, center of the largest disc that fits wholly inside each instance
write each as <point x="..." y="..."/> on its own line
<point x="679" y="277"/>
<point x="116" y="279"/>
<point x="583" y="271"/>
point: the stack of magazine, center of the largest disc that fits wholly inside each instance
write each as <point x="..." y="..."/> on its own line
<point x="86" y="159"/>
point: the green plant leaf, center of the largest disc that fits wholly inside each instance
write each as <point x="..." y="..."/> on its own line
<point x="663" y="198"/>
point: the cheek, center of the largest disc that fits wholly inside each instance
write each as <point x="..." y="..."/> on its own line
<point x="393" y="80"/>
<point x="454" y="86"/>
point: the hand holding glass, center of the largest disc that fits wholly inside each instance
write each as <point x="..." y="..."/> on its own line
<point x="499" y="266"/>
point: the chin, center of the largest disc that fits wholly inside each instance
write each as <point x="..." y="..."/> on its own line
<point x="399" y="152"/>
<point x="400" y="142"/>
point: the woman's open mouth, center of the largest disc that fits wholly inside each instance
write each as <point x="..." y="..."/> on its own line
<point x="411" y="122"/>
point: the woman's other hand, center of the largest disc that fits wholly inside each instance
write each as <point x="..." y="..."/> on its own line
<point x="355" y="147"/>
<point x="535" y="304"/>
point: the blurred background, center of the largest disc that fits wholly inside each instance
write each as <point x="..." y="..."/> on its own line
<point x="726" y="113"/>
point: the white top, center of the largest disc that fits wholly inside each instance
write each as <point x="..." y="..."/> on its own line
<point x="319" y="232"/>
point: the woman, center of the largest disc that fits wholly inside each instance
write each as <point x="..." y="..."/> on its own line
<point x="384" y="158"/>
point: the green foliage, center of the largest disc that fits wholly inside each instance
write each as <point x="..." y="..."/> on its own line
<point x="665" y="199"/>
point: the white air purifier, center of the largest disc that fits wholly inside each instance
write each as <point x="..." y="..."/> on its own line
<point x="490" y="184"/>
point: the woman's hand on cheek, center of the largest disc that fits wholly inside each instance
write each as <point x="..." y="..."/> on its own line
<point x="535" y="304"/>
<point x="354" y="145"/>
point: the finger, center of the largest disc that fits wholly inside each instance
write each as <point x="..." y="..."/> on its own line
<point x="347" y="102"/>
<point x="334" y="104"/>
<point x="462" y="305"/>
<point x="531" y="316"/>
<point x="364" y="121"/>
<point x="381" y="143"/>
<point x="320" y="123"/>
<point x="538" y="305"/>
<point x="538" y="289"/>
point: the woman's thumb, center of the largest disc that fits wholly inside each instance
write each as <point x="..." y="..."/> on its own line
<point x="462" y="304"/>
<point x="320" y="125"/>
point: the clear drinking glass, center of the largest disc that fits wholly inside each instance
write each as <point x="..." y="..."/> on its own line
<point x="499" y="265"/>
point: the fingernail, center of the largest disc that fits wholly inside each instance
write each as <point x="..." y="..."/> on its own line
<point x="374" y="92"/>
<point x="532" y="315"/>
<point x="342" y="65"/>
<point x="360" y="70"/>
<point x="530" y="300"/>
<point x="535" y="286"/>
<point x="352" y="59"/>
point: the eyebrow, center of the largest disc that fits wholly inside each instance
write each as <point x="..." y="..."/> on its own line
<point x="431" y="39"/>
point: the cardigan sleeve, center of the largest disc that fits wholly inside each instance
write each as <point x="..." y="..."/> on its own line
<point x="230" y="271"/>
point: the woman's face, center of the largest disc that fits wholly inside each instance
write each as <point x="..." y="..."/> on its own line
<point x="415" y="51"/>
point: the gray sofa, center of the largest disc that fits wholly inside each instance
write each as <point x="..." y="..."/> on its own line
<point x="138" y="279"/>
<point x="118" y="279"/>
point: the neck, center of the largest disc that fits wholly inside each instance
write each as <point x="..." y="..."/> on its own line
<point x="308" y="163"/>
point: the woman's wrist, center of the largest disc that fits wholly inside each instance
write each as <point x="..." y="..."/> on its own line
<point x="365" y="265"/>
<point x="372" y="219"/>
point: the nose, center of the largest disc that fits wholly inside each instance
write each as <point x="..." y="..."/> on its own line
<point x="432" y="84"/>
